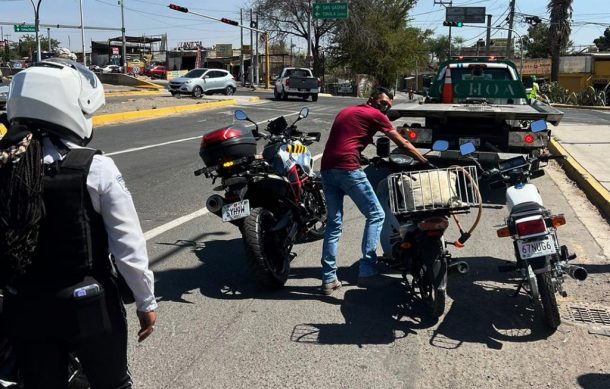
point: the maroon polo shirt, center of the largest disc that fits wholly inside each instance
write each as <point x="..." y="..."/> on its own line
<point x="351" y="132"/>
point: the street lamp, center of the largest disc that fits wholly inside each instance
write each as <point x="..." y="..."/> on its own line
<point x="36" y="25"/>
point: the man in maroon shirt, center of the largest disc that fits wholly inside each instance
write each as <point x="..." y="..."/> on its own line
<point x="351" y="132"/>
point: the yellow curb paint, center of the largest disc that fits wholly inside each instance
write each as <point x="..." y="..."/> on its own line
<point x="595" y="191"/>
<point x="254" y="99"/>
<point x="102" y="120"/>
<point x="133" y="93"/>
<point x="2" y="130"/>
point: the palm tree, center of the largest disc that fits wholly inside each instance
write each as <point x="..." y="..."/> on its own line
<point x="560" y="29"/>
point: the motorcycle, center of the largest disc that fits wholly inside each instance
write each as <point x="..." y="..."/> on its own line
<point x="9" y="372"/>
<point x="421" y="202"/>
<point x="275" y="199"/>
<point x="541" y="262"/>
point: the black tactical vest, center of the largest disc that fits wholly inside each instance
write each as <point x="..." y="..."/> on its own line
<point x="72" y="242"/>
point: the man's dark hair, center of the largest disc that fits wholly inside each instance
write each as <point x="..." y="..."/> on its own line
<point x="381" y="90"/>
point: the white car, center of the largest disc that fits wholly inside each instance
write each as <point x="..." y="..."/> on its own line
<point x="200" y="81"/>
<point x="112" y="69"/>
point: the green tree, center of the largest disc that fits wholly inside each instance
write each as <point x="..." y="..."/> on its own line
<point x="289" y="18"/>
<point x="438" y="48"/>
<point x="559" y="31"/>
<point x="603" y="42"/>
<point x="537" y="42"/>
<point x="376" y="39"/>
<point x="26" y="46"/>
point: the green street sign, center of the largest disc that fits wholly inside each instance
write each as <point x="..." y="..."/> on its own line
<point x="24" y="28"/>
<point x="330" y="10"/>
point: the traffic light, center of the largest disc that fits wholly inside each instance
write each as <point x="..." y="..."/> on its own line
<point x="178" y="8"/>
<point x="452" y="24"/>
<point x="229" y="21"/>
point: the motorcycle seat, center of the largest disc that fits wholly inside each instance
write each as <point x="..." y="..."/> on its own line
<point x="527" y="207"/>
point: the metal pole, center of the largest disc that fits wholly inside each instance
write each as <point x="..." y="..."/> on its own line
<point x="488" y="37"/>
<point x="251" y="52"/>
<point x="449" y="42"/>
<point x="309" y="35"/>
<point x="267" y="64"/>
<point x="82" y="33"/>
<point x="511" y="15"/>
<point x="241" y="55"/>
<point x="416" y="74"/>
<point x="257" y="68"/>
<point x="49" y="38"/>
<point x="124" y="49"/>
<point x="37" y="28"/>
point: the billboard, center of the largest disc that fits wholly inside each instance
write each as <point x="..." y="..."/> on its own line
<point x="465" y="14"/>
<point x="224" y="50"/>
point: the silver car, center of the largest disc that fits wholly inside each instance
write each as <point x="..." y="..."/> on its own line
<point x="200" y="81"/>
<point x="3" y="96"/>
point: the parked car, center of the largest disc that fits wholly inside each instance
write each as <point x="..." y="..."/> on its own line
<point x="157" y="71"/>
<point x="95" y="68"/>
<point x="112" y="69"/>
<point x="200" y="81"/>
<point x="296" y="82"/>
<point x="3" y="96"/>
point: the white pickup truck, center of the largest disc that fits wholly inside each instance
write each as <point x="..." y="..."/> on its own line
<point x="296" y="82"/>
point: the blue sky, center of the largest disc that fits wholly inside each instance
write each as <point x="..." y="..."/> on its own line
<point x="152" y="17"/>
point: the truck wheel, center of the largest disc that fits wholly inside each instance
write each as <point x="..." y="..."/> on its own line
<point x="284" y="95"/>
<point x="276" y="95"/>
<point x="173" y="93"/>
<point x="314" y="97"/>
<point x="305" y="97"/>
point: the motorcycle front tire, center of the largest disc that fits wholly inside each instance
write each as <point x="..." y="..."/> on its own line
<point x="549" y="302"/>
<point x="271" y="264"/>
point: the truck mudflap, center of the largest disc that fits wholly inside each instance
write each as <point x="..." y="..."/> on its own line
<point x="535" y="111"/>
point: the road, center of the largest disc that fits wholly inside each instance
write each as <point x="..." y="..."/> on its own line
<point x="216" y="330"/>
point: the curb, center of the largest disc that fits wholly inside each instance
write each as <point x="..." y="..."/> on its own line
<point x="595" y="191"/>
<point x="598" y="108"/>
<point x="121" y="117"/>
<point x="133" y="93"/>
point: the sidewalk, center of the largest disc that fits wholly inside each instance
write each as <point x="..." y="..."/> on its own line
<point x="587" y="149"/>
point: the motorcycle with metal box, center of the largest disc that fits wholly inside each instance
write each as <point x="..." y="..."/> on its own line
<point x="275" y="199"/>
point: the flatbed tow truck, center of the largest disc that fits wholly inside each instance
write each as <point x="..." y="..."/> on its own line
<point x="478" y="100"/>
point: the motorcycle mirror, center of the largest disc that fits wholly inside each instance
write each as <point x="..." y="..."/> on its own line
<point x="304" y="113"/>
<point x="467" y="148"/>
<point x="538" y="126"/>
<point x="440" y="145"/>
<point x="383" y="147"/>
<point x="240" y="115"/>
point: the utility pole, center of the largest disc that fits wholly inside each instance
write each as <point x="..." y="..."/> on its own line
<point x="251" y="52"/>
<point x="82" y="33"/>
<point x="241" y="55"/>
<point x="309" y="35"/>
<point x="37" y="27"/>
<point x="124" y="51"/>
<point x="444" y="3"/>
<point x="511" y="16"/>
<point x="256" y="55"/>
<point x="488" y="37"/>
<point x="49" y="38"/>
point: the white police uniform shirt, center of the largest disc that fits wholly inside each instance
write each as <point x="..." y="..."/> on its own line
<point x="126" y="242"/>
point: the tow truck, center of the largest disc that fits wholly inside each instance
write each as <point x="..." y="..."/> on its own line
<point x="478" y="100"/>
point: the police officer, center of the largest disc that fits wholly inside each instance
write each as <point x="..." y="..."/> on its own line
<point x="66" y="298"/>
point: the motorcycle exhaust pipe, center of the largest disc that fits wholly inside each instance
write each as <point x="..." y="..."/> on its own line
<point x="577" y="272"/>
<point x="215" y="203"/>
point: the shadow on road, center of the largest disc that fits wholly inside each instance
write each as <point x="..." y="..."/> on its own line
<point x="485" y="311"/>
<point x="594" y="381"/>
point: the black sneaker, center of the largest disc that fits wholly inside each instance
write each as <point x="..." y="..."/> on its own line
<point x="329" y="287"/>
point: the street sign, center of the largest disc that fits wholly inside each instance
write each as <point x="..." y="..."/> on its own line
<point x="465" y="14"/>
<point x="330" y="10"/>
<point x="115" y="51"/>
<point x="24" y="28"/>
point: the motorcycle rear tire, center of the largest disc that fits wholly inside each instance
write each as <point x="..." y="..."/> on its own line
<point x="271" y="265"/>
<point x="549" y="302"/>
<point x="433" y="297"/>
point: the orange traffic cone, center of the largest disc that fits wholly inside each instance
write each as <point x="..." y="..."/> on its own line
<point x="447" y="96"/>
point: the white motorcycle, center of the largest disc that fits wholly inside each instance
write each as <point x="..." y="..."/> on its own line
<point x="541" y="262"/>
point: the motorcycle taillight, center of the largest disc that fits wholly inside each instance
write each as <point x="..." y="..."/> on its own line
<point x="433" y="224"/>
<point x="530" y="226"/>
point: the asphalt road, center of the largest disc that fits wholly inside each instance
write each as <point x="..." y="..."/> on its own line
<point x="216" y="330"/>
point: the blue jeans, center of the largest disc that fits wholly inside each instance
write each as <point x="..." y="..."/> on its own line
<point x="337" y="184"/>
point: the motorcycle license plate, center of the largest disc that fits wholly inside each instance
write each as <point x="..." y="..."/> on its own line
<point x="236" y="211"/>
<point x="474" y="141"/>
<point x="536" y="248"/>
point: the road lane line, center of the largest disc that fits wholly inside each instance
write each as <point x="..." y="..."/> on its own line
<point x="179" y="140"/>
<point x="150" y="234"/>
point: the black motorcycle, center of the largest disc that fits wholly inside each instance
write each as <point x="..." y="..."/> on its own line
<point x="275" y="198"/>
<point x="422" y="200"/>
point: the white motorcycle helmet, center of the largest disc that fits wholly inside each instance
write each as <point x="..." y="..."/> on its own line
<point x="57" y="95"/>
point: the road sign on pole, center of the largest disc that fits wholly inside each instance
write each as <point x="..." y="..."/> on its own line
<point x="24" y="28"/>
<point x="465" y="14"/>
<point x="329" y="10"/>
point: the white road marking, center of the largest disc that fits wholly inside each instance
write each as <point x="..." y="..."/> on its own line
<point x="148" y="235"/>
